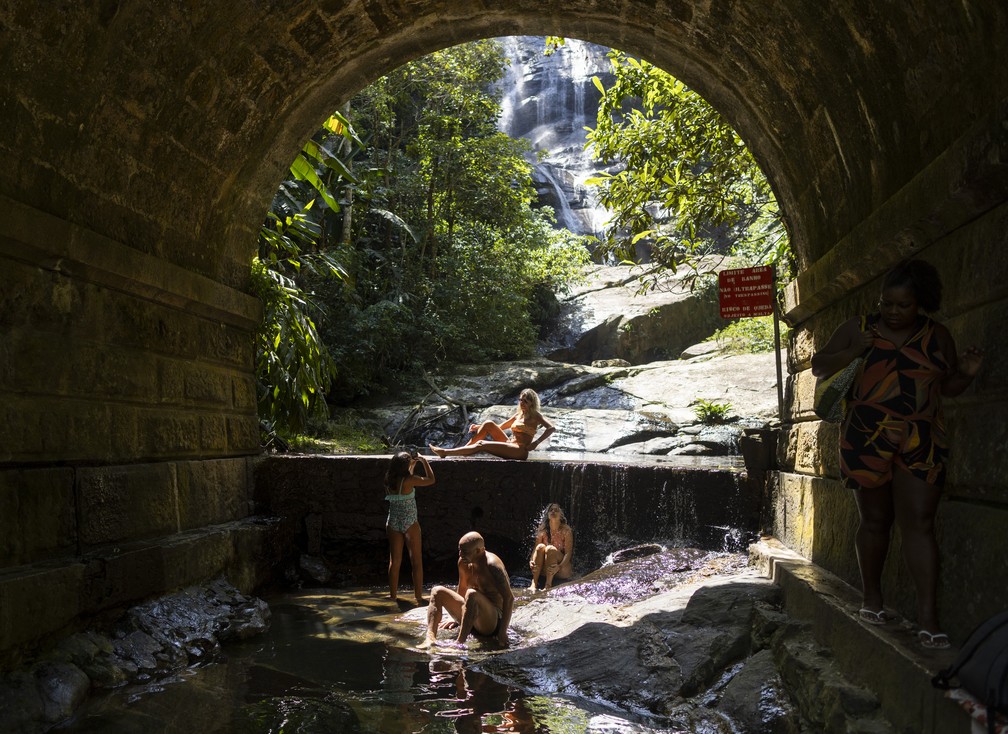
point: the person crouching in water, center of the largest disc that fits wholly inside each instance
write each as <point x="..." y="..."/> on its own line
<point x="402" y="526"/>
<point x="554" y="548"/>
<point x="483" y="602"/>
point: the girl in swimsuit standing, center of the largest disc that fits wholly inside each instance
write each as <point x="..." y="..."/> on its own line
<point x="554" y="548"/>
<point x="893" y="452"/>
<point x="490" y="437"/>
<point x="402" y="526"/>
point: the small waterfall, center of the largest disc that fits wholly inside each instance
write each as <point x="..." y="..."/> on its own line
<point x="617" y="506"/>
<point x="677" y="505"/>
<point x="564" y="214"/>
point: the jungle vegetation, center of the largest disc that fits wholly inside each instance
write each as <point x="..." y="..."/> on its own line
<point x="406" y="236"/>
<point x="407" y="233"/>
<point x="683" y="188"/>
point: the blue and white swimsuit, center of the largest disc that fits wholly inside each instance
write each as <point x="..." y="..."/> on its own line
<point x="402" y="511"/>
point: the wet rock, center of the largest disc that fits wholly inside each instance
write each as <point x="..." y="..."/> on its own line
<point x="139" y="648"/>
<point x="637" y="551"/>
<point x="63" y="687"/>
<point x="712" y="657"/>
<point x="109" y="671"/>
<point x="36" y="699"/>
<point x="653" y="447"/>
<point x="718" y="440"/>
<point x="756" y="699"/>
<point x="94" y="653"/>
<point x="248" y="621"/>
<point x="604" y="397"/>
<point x="83" y="647"/>
<point x="21" y="706"/>
<point x="315" y="569"/>
<point x="654" y="658"/>
<point x="149" y="641"/>
<point x="728" y="606"/>
<point x="699" y="653"/>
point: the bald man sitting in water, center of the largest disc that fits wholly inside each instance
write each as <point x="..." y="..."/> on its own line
<point x="483" y="603"/>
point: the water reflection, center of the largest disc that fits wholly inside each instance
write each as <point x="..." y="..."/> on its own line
<point x="340" y="661"/>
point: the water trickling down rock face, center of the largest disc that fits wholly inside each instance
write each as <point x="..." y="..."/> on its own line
<point x="549" y="100"/>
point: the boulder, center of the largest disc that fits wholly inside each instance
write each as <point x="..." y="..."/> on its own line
<point x="645" y="410"/>
<point x="150" y="641"/>
<point x="756" y="699"/>
<point x="609" y="318"/>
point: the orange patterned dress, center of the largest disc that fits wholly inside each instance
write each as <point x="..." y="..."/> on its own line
<point x="894" y="417"/>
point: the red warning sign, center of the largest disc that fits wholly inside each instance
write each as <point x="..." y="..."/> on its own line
<point x="746" y="292"/>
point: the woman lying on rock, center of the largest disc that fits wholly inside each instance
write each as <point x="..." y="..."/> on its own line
<point x="490" y="437"/>
<point x="554" y="548"/>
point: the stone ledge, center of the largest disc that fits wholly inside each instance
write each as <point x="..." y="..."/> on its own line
<point x="52" y="243"/>
<point x="42" y="600"/>
<point x="885" y="659"/>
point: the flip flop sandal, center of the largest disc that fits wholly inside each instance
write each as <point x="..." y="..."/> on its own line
<point x="933" y="640"/>
<point x="872" y="617"/>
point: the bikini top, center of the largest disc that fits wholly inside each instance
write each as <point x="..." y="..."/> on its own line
<point x="519" y="427"/>
<point x="560" y="541"/>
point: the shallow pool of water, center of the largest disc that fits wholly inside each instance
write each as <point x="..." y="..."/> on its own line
<point x="341" y="661"/>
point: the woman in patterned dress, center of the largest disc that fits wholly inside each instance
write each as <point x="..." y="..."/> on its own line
<point x="893" y="451"/>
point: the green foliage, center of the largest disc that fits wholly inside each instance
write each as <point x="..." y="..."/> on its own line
<point x="293" y="367"/>
<point x="450" y="261"/>
<point x="711" y="412"/>
<point x="679" y="178"/>
<point x="343" y="433"/>
<point x="748" y="336"/>
<point x="402" y="240"/>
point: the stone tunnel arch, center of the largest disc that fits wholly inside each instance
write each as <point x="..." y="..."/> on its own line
<point x="144" y="143"/>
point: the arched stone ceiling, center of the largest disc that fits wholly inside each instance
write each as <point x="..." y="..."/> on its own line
<point x="167" y="126"/>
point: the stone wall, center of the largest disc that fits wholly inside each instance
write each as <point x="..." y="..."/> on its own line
<point x="954" y="216"/>
<point x="142" y="144"/>
<point x="127" y="429"/>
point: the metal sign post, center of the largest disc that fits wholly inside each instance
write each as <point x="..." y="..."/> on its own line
<point x="777" y="359"/>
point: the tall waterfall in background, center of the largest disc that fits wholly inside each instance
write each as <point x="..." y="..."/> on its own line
<point x="549" y="100"/>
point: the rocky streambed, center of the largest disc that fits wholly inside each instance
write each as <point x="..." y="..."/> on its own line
<point x="664" y="640"/>
<point x="651" y="409"/>
<point x="682" y="641"/>
<point x="622" y="373"/>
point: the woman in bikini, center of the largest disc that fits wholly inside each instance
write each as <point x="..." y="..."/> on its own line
<point x="893" y="452"/>
<point x="554" y="548"/>
<point x="490" y="437"/>
<point x="402" y="526"/>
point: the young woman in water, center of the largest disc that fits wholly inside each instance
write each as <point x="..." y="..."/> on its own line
<point x="402" y="526"/>
<point x="554" y="548"/>
<point x="490" y="437"/>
